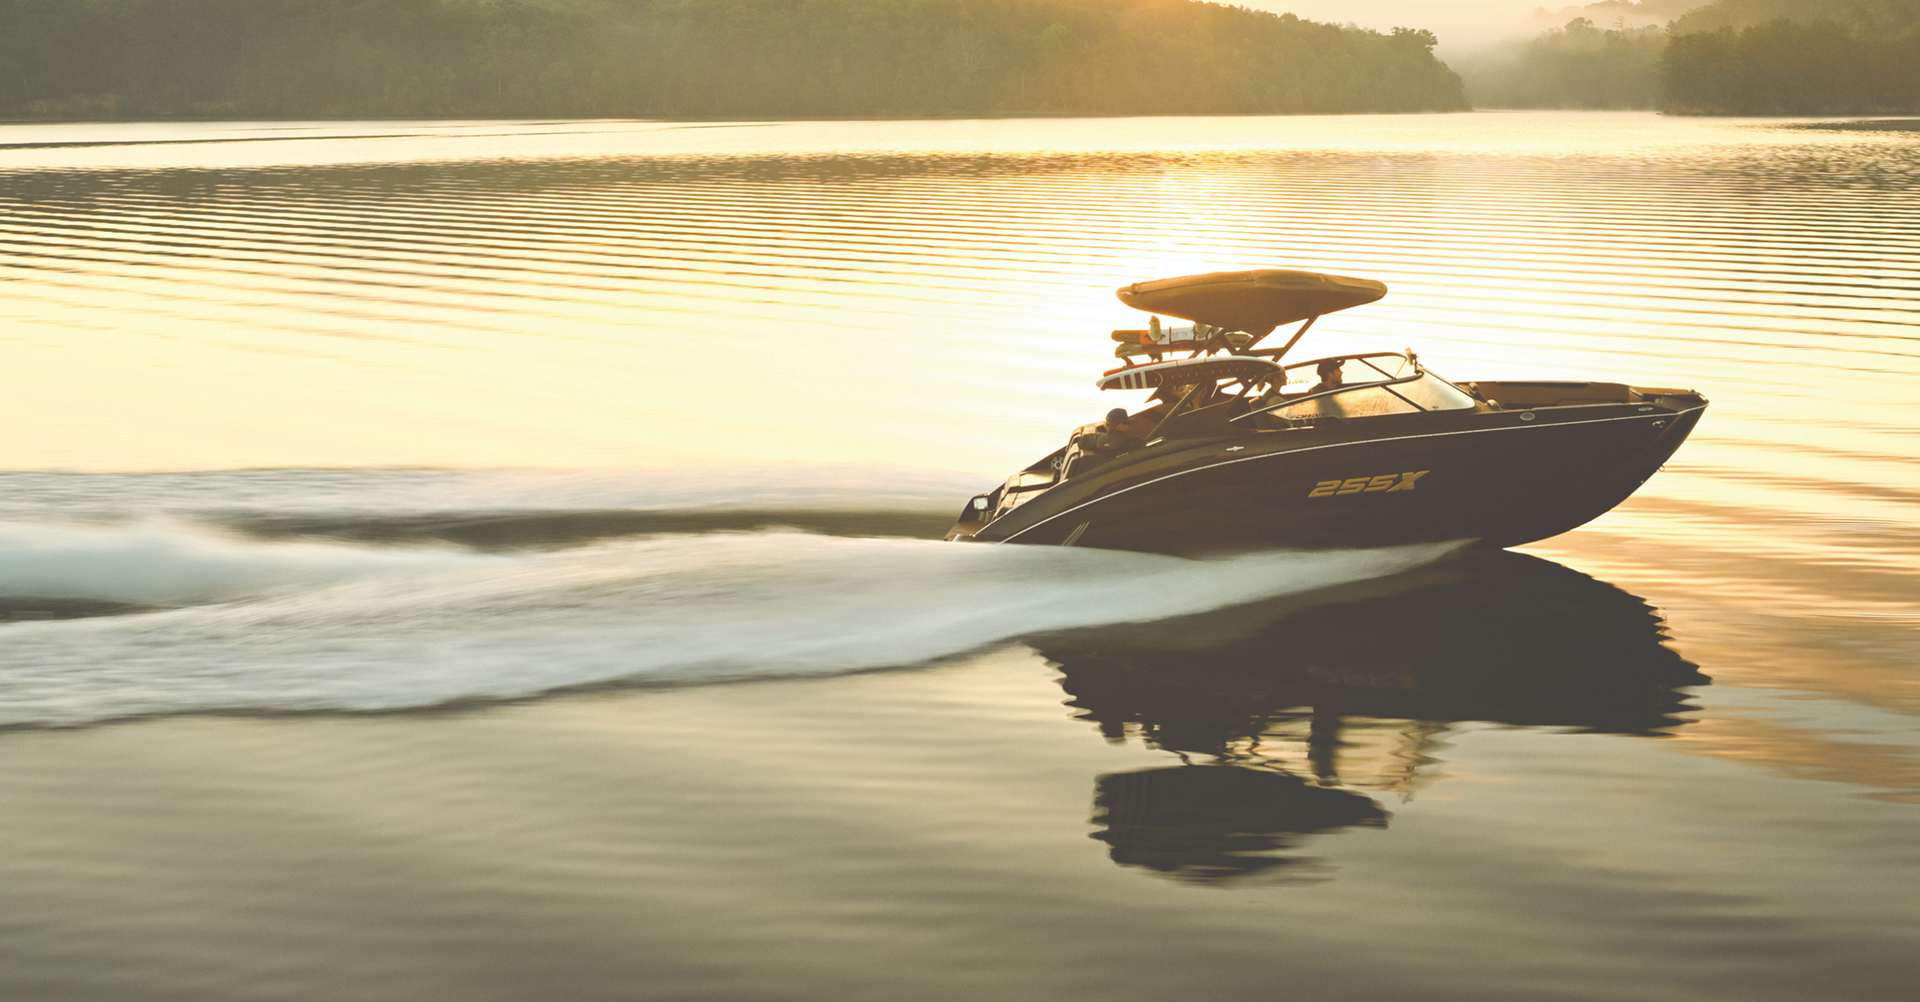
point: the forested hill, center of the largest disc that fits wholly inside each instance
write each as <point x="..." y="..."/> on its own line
<point x="1794" y="57"/>
<point x="68" y="59"/>
<point x="1886" y="18"/>
<point x="1728" y="57"/>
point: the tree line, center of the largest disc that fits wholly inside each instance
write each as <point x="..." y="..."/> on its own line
<point x="1730" y="57"/>
<point x="1786" y="67"/>
<point x="103" y="59"/>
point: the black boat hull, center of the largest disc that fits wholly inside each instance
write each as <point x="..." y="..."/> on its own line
<point x="1497" y="477"/>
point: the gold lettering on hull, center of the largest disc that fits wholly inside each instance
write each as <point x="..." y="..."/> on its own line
<point x="1388" y="482"/>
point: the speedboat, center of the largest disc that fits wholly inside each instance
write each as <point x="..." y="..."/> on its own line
<point x="1235" y="449"/>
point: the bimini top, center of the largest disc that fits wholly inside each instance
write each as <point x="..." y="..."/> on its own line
<point x="1252" y="301"/>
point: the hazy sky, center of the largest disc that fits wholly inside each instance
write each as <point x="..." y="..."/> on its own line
<point x="1461" y="24"/>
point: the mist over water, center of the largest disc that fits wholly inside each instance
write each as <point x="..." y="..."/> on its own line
<point x="1461" y="25"/>
<point x="558" y="426"/>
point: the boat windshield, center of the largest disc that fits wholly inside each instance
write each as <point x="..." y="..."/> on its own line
<point x="1355" y="370"/>
<point x="1368" y="386"/>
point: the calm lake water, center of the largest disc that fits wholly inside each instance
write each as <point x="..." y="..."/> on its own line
<point x="498" y="560"/>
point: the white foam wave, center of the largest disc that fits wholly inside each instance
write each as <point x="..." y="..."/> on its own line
<point x="664" y="609"/>
<point x="157" y="563"/>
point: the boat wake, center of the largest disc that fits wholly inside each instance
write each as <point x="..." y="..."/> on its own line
<point x="310" y="625"/>
<point x="275" y="591"/>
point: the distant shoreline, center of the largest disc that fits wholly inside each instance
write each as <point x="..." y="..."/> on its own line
<point x="1850" y="124"/>
<point x="739" y="121"/>
<point x="1865" y="125"/>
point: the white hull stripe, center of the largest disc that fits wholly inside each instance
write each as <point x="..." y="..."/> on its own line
<point x="1336" y="445"/>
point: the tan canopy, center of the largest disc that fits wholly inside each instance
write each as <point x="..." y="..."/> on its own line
<point x="1252" y="301"/>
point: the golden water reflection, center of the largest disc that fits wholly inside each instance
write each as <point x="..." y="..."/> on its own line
<point x="639" y="294"/>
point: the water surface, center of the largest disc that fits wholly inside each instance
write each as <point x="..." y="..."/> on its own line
<point x="486" y="559"/>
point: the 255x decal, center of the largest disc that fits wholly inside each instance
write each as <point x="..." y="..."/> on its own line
<point x="1388" y="482"/>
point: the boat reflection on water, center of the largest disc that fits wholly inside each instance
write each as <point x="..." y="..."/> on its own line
<point x="1288" y="714"/>
<point x="1205" y="824"/>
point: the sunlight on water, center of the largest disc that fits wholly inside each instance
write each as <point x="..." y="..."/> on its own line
<point x="642" y="294"/>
